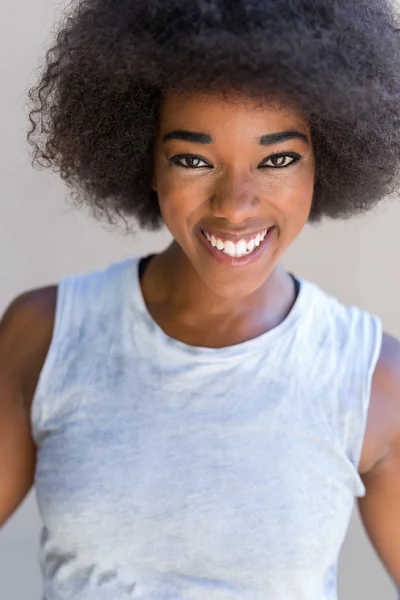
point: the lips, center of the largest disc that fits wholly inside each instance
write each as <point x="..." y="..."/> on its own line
<point x="239" y="248"/>
<point x="235" y="254"/>
<point x="237" y="236"/>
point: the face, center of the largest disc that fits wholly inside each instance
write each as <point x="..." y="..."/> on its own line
<point x="235" y="183"/>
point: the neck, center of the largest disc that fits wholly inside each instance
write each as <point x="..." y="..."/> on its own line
<point x="179" y="300"/>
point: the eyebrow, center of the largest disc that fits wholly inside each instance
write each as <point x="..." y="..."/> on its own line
<point x="205" y="138"/>
<point x="274" y="138"/>
<point x="189" y="136"/>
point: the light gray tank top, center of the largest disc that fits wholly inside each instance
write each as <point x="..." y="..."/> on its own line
<point x="172" y="472"/>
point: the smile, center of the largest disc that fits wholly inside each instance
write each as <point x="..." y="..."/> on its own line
<point x="236" y="249"/>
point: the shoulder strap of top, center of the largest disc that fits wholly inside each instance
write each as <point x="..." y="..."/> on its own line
<point x="90" y="307"/>
<point x="365" y="341"/>
<point x="343" y="344"/>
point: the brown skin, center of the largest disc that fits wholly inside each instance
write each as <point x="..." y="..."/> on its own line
<point x="202" y="303"/>
<point x="380" y="461"/>
<point x="25" y="334"/>
<point x="195" y="298"/>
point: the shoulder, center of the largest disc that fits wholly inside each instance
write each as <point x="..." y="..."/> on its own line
<point x="372" y="359"/>
<point x="26" y="330"/>
<point x="387" y="373"/>
<point x="383" y="423"/>
<point x="350" y="332"/>
<point x="28" y="313"/>
<point x="386" y="387"/>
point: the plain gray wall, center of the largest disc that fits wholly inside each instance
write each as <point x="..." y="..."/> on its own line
<point x="42" y="239"/>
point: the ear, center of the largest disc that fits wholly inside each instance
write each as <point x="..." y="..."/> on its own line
<point x="154" y="184"/>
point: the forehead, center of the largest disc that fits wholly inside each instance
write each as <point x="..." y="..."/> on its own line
<point x="206" y="111"/>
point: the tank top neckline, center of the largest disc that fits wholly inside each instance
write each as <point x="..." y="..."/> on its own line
<point x="259" y="343"/>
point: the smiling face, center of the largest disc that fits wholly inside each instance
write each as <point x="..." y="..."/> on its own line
<point x="235" y="184"/>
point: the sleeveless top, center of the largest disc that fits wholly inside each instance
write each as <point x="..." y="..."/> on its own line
<point x="173" y="472"/>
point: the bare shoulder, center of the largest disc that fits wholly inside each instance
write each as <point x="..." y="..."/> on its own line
<point x="26" y="330"/>
<point x="25" y="335"/>
<point x="383" y="423"/>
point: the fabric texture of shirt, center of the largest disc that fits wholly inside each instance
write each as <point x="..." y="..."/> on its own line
<point x="173" y="472"/>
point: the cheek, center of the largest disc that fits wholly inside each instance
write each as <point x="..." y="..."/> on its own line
<point x="295" y="199"/>
<point x="180" y="197"/>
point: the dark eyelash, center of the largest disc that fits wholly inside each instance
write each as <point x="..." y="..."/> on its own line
<point x="175" y="160"/>
<point x="293" y="155"/>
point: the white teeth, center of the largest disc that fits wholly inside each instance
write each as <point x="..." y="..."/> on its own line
<point x="241" y="248"/>
<point x="230" y="248"/>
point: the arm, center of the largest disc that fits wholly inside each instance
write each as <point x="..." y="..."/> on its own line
<point x="25" y="335"/>
<point x="380" y="508"/>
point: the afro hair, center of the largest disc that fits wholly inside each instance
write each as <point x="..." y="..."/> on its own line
<point x="93" y="112"/>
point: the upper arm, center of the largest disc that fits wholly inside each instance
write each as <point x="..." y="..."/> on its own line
<point x="25" y="334"/>
<point x="380" y="508"/>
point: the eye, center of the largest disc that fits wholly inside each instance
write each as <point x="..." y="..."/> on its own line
<point x="279" y="161"/>
<point x="189" y="161"/>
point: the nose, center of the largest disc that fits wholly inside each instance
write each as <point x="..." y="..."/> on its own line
<point x="235" y="198"/>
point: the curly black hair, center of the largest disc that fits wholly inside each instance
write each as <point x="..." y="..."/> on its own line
<point x="94" y="111"/>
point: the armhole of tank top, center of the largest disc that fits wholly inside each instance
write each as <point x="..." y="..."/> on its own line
<point x="52" y="353"/>
<point x="370" y="363"/>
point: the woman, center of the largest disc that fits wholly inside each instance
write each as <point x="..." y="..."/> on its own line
<point x="198" y="422"/>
